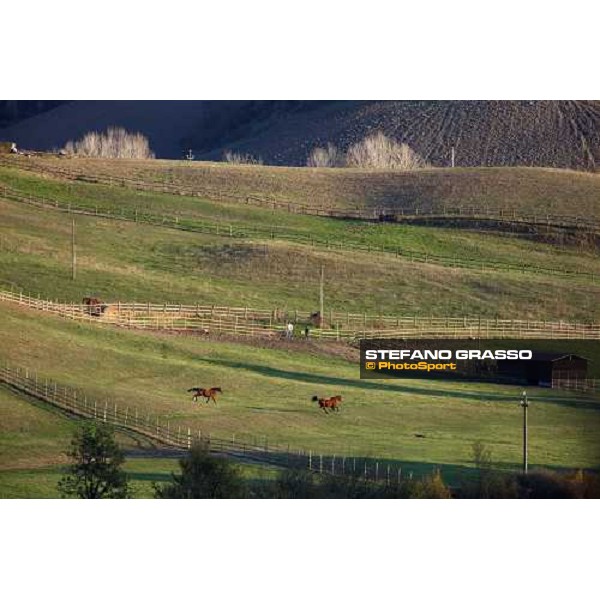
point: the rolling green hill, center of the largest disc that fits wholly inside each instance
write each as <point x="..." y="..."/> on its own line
<point x="267" y="391"/>
<point x="526" y="190"/>
<point x="124" y="260"/>
<point x="210" y="248"/>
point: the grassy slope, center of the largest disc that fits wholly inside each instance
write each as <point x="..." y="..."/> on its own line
<point x="120" y="260"/>
<point x="438" y="241"/>
<point x="33" y="440"/>
<point x="524" y="189"/>
<point x="267" y="393"/>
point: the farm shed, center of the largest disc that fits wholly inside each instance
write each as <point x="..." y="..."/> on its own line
<point x="544" y="367"/>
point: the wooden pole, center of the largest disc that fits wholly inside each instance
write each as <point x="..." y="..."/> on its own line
<point x="73" y="251"/>
<point x="322" y="296"/>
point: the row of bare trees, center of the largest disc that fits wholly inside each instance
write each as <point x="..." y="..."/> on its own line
<point x="376" y="151"/>
<point x="115" y="142"/>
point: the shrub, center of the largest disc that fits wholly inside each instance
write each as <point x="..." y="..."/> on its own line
<point x="237" y="158"/>
<point x="486" y="480"/>
<point x="431" y="486"/>
<point x="203" y="475"/>
<point x="326" y="157"/>
<point x="546" y="484"/>
<point x="115" y="142"/>
<point x="377" y="151"/>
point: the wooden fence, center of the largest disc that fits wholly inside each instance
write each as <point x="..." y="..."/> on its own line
<point x="577" y="384"/>
<point x="231" y="230"/>
<point x="243" y="447"/>
<point x="464" y="212"/>
<point x="245" y="321"/>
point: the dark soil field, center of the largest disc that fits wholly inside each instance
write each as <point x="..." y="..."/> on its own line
<point x="563" y="134"/>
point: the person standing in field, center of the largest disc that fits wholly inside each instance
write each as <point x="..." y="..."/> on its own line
<point x="290" y="331"/>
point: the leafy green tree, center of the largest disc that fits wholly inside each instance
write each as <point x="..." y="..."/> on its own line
<point x="96" y="468"/>
<point x="203" y="476"/>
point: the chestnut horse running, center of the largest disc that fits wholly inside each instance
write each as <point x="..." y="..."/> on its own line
<point x="332" y="403"/>
<point x="208" y="393"/>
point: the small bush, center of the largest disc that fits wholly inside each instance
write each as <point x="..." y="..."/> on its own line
<point x="377" y="151"/>
<point x="238" y="158"/>
<point x="430" y="486"/>
<point x="115" y="142"/>
<point x="326" y="157"/>
<point x="203" y="475"/>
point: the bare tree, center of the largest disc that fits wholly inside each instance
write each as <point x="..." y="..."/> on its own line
<point x="377" y="151"/>
<point x="237" y="158"/>
<point x="115" y="142"/>
<point x="326" y="157"/>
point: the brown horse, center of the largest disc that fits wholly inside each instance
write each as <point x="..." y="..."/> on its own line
<point x="94" y="306"/>
<point x="332" y="403"/>
<point x="208" y="393"/>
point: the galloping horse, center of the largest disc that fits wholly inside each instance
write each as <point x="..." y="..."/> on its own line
<point x="333" y="403"/>
<point x="208" y="393"/>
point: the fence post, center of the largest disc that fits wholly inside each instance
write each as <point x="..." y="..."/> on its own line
<point x="105" y="410"/>
<point x="189" y="438"/>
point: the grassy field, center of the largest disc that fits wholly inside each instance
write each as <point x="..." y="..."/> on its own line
<point x="268" y="222"/>
<point x="126" y="261"/>
<point x="268" y="385"/>
<point x="267" y="394"/>
<point x="34" y="438"/>
<point x="33" y="443"/>
<point x="525" y="189"/>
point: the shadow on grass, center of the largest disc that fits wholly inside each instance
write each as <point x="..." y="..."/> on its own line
<point x="373" y="384"/>
<point x="164" y="476"/>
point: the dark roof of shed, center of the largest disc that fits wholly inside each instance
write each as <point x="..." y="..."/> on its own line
<point x="553" y="356"/>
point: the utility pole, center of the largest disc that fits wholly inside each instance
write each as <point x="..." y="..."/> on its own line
<point x="525" y="405"/>
<point x="452" y="157"/>
<point x="73" y="252"/>
<point x="321" y="297"/>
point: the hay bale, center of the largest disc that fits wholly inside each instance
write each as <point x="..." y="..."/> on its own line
<point x="5" y="147"/>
